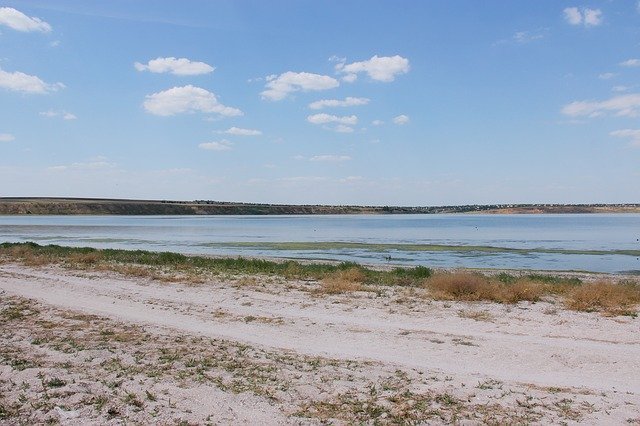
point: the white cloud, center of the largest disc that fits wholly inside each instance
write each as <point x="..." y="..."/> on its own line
<point x="336" y="58"/>
<point x="350" y="78"/>
<point x="622" y="105"/>
<point x="377" y="122"/>
<point x="347" y="102"/>
<point x="592" y="17"/>
<point x="21" y="82"/>
<point x="523" y="37"/>
<point x="401" y="120"/>
<point x="573" y="15"/>
<point x="632" y="134"/>
<point x="585" y="16"/>
<point x="631" y="63"/>
<point x="237" y="131"/>
<point x="187" y="99"/>
<point x="176" y="66"/>
<point x="327" y="118"/>
<point x="6" y="137"/>
<point x="279" y="87"/>
<point x="620" y="88"/>
<point x="96" y="163"/>
<point x="223" y="145"/>
<point x="379" y="68"/>
<point x="62" y="114"/>
<point x="606" y="76"/>
<point x="330" y="158"/>
<point x="341" y="128"/>
<point x="18" y="21"/>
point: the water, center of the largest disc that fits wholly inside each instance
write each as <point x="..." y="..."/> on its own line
<point x="215" y="235"/>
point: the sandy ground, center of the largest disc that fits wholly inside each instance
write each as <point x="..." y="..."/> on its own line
<point x="81" y="347"/>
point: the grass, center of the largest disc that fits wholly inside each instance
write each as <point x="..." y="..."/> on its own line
<point x="141" y="263"/>
<point x="348" y="280"/>
<point x="476" y="287"/>
<point x="607" y="297"/>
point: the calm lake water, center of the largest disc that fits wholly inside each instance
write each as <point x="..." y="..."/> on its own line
<point x="215" y="235"/>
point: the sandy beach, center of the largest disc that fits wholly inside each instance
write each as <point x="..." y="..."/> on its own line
<point x="82" y="346"/>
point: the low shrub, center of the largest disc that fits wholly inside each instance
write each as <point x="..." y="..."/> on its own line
<point x="605" y="296"/>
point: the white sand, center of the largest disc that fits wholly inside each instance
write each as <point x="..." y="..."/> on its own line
<point x="534" y="346"/>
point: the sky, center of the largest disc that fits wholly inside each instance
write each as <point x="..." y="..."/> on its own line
<point x="322" y="102"/>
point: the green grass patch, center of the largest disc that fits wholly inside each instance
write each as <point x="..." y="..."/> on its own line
<point x="37" y="254"/>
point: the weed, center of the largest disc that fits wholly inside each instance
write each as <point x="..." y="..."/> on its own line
<point x="607" y="297"/>
<point x="344" y="281"/>
<point x="55" y="383"/>
<point x="132" y="399"/>
<point x="477" y="315"/>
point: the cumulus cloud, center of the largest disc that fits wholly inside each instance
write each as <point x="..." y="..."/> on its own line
<point x="633" y="134"/>
<point x="237" y="131"/>
<point x="6" y="137"/>
<point x="377" y="122"/>
<point x="585" y="16"/>
<point x="379" y="68"/>
<point x="18" y="21"/>
<point x="280" y="86"/>
<point x="21" y="82"/>
<point x="347" y="102"/>
<point x="622" y="105"/>
<point x="330" y="158"/>
<point x="606" y="76"/>
<point x="62" y="114"/>
<point x="223" y="145"/>
<point x="327" y="118"/>
<point x="631" y="63"/>
<point x="187" y="99"/>
<point x="401" y="120"/>
<point x="176" y="66"/>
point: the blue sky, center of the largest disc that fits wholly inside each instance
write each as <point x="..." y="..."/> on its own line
<point x="330" y="102"/>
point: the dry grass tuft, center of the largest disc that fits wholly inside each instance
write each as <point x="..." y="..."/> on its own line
<point x="460" y="286"/>
<point x="28" y="256"/>
<point x="90" y="258"/>
<point x="247" y="281"/>
<point x="343" y="281"/>
<point x="606" y="297"/>
<point x="475" y="287"/>
<point x="477" y="315"/>
<point x="522" y="289"/>
<point x="133" y="270"/>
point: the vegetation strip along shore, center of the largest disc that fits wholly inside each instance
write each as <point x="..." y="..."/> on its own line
<point x="608" y="296"/>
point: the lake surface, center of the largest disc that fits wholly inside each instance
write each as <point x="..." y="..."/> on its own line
<point x="254" y="235"/>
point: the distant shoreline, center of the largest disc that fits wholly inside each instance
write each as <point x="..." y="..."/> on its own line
<point x="103" y="206"/>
